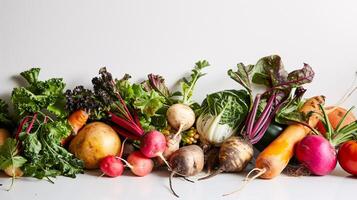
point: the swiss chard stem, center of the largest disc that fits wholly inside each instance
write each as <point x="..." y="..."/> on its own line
<point x="28" y="130"/>
<point x="263" y="117"/>
<point x="252" y="115"/>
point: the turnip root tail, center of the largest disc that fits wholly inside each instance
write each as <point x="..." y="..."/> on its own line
<point x="170" y="183"/>
<point x="178" y="131"/>
<point x="220" y="170"/>
<point x="248" y="180"/>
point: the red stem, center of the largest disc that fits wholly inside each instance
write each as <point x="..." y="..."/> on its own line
<point x="125" y="133"/>
<point x="23" y="122"/>
<point x="128" y="125"/>
<point x="28" y="130"/>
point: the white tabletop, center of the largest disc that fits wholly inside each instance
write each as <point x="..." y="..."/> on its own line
<point x="90" y="186"/>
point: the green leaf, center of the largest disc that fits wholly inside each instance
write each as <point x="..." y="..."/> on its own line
<point x="31" y="75"/>
<point x="232" y="105"/>
<point x="147" y="102"/>
<point x="290" y="110"/>
<point x="39" y="95"/>
<point x="189" y="85"/>
<point x="9" y="155"/>
<point x="5" y="119"/>
<point x="242" y="75"/>
<point x="269" y="71"/>
<point x="46" y="157"/>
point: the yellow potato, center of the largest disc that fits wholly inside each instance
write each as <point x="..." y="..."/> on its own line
<point x="94" y="142"/>
<point x="13" y="171"/>
<point x="4" y="134"/>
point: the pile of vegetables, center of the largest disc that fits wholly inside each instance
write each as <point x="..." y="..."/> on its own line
<point x="116" y="124"/>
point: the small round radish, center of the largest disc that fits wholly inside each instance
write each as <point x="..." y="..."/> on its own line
<point x="317" y="154"/>
<point x="181" y="117"/>
<point x="111" y="166"/>
<point x="139" y="164"/>
<point x="153" y="144"/>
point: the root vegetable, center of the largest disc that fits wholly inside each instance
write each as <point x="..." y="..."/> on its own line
<point x="317" y="154"/>
<point x="4" y="134"/>
<point x="153" y="144"/>
<point x="181" y="117"/>
<point x="139" y="164"/>
<point x="13" y="171"/>
<point x="111" y="166"/>
<point x="276" y="156"/>
<point x="234" y="155"/>
<point x="172" y="145"/>
<point x="94" y="142"/>
<point x="186" y="161"/>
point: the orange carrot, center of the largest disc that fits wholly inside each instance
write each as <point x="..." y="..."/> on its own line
<point x="77" y="120"/>
<point x="276" y="156"/>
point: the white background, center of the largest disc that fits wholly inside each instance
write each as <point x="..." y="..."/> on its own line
<point x="74" y="38"/>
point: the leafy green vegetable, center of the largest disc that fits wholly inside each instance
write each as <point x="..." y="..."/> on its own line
<point x="290" y="111"/>
<point x="5" y="118"/>
<point x="221" y="115"/>
<point x="84" y="99"/>
<point x="46" y="158"/>
<point x="269" y="71"/>
<point x="189" y="85"/>
<point x="146" y="102"/>
<point x="39" y="95"/>
<point x="243" y="76"/>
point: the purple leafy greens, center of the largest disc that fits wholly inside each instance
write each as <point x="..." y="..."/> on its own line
<point x="281" y="99"/>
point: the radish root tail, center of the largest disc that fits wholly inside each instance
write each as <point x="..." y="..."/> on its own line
<point x="122" y="147"/>
<point x="170" y="183"/>
<point x="247" y="180"/>
<point x="165" y="161"/>
<point x="211" y="175"/>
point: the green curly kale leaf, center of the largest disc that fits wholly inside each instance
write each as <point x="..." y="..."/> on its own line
<point x="39" y="95"/>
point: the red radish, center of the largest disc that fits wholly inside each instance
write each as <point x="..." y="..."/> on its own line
<point x="317" y="154"/>
<point x="111" y="166"/>
<point x="153" y="144"/>
<point x="139" y="164"/>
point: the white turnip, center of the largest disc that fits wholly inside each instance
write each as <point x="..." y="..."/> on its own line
<point x="180" y="117"/>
